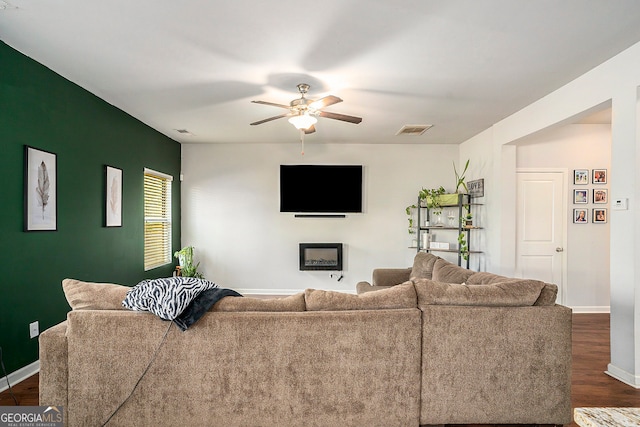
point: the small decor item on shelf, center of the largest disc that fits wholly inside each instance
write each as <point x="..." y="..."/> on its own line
<point x="451" y="218"/>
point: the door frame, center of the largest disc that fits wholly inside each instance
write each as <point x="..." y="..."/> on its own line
<point x="565" y="206"/>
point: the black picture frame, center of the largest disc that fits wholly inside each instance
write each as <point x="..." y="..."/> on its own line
<point x="580" y="196"/>
<point x="40" y="190"/>
<point x="581" y="176"/>
<point x="599" y="216"/>
<point x="580" y="216"/>
<point x="600" y="196"/>
<point x="599" y="176"/>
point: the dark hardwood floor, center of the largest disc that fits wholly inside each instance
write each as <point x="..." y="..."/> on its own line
<point x="590" y="385"/>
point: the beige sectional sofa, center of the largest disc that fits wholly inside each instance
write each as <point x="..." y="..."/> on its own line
<point x="419" y="352"/>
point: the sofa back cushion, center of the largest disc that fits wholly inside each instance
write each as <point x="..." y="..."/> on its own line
<point x="444" y="271"/>
<point x="234" y="304"/>
<point x="512" y="293"/>
<point x="94" y="296"/>
<point x="484" y="278"/>
<point x="396" y="297"/>
<point x="548" y="293"/>
<point x="423" y="266"/>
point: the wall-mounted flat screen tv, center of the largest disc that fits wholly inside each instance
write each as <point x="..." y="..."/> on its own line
<point x="321" y="188"/>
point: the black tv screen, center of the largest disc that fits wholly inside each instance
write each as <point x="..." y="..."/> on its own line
<point x="321" y="188"/>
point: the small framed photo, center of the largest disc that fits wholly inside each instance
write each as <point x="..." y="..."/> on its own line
<point x="580" y="216"/>
<point x="600" y="196"/>
<point x="113" y="197"/>
<point x="580" y="196"/>
<point x="599" y="176"/>
<point x="40" y="190"/>
<point x="581" y="176"/>
<point x="599" y="216"/>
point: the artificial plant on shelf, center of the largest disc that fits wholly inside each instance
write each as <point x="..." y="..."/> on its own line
<point x="461" y="177"/>
<point x="187" y="268"/>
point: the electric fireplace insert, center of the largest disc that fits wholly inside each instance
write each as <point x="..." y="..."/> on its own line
<point x="321" y="256"/>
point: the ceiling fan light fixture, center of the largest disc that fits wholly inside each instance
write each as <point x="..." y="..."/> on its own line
<point x="303" y="121"/>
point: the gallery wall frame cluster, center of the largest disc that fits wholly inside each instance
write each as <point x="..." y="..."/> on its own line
<point x="41" y="191"/>
<point x="584" y="196"/>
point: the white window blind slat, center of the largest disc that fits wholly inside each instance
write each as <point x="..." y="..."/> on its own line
<point x="157" y="219"/>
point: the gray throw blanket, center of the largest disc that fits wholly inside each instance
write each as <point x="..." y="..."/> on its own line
<point x="200" y="305"/>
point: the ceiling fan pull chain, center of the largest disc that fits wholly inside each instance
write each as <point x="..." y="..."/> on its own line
<point x="302" y="141"/>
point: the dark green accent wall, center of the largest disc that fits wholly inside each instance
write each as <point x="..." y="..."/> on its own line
<point x="42" y="109"/>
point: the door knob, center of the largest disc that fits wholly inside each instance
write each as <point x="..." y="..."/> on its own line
<point x="559" y="249"/>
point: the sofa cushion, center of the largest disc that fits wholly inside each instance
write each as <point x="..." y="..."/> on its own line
<point x="400" y="296"/>
<point x="484" y="278"/>
<point x="94" y="296"/>
<point x="512" y="293"/>
<point x="165" y="297"/>
<point x="548" y="295"/>
<point x="423" y="265"/>
<point x="290" y="303"/>
<point x="444" y="271"/>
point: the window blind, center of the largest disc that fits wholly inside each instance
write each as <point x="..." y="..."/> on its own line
<point x="157" y="219"/>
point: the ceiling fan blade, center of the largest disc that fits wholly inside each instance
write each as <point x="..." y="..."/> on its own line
<point x="343" y="117"/>
<point x="310" y="129"/>
<point x="259" y="122"/>
<point x="272" y="104"/>
<point x="325" y="102"/>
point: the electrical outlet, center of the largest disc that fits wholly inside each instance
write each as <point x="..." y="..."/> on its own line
<point x="34" y="329"/>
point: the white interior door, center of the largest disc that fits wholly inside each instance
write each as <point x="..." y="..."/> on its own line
<point x="541" y="238"/>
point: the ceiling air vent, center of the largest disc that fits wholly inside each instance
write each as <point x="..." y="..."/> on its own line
<point x="184" y="132"/>
<point x="414" y="130"/>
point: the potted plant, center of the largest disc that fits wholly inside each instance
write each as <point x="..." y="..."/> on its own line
<point x="187" y="268"/>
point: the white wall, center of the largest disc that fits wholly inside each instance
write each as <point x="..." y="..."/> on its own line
<point x="585" y="146"/>
<point x="230" y="211"/>
<point x="615" y="83"/>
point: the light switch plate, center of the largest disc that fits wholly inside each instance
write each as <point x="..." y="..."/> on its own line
<point x="620" y="204"/>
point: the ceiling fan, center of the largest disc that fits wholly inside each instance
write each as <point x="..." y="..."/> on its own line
<point x="303" y="112"/>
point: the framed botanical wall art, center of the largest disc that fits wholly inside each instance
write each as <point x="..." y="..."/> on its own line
<point x="581" y="176"/>
<point x="600" y="196"/>
<point x="580" y="196"/>
<point x="599" y="216"/>
<point x="40" y="190"/>
<point x="599" y="176"/>
<point x="580" y="216"/>
<point x="113" y="196"/>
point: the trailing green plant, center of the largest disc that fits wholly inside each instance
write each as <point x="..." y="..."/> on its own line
<point x="412" y="230"/>
<point x="188" y="269"/>
<point x="461" y="177"/>
<point x="463" y="245"/>
<point x="432" y="198"/>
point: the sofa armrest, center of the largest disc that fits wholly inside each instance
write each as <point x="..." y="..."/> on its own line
<point x="390" y="276"/>
<point x="53" y="378"/>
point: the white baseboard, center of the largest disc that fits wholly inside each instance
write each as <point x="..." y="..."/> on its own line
<point x="622" y="375"/>
<point x="591" y="309"/>
<point x="20" y="375"/>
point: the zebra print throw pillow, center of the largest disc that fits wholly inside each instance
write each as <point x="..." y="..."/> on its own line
<point x="167" y="297"/>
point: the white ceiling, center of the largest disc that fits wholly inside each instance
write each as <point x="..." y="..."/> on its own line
<point x="461" y="65"/>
